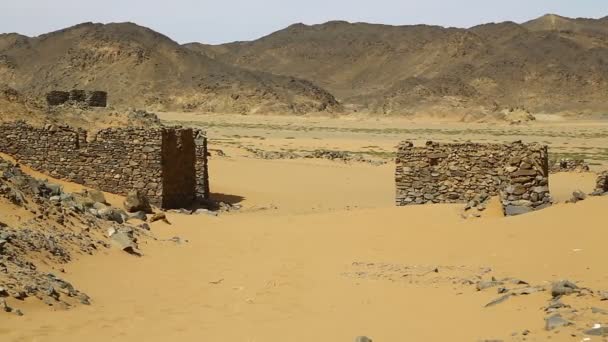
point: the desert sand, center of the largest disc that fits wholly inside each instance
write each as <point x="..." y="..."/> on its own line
<point x="319" y="252"/>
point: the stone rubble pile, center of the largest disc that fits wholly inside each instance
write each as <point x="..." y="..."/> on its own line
<point x="458" y="173"/>
<point x="62" y="225"/>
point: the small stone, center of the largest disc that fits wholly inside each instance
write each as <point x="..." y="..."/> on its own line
<point x="160" y="216"/>
<point x="599" y="331"/>
<point x="363" y="339"/>
<point x="498" y="300"/>
<point x="563" y="287"/>
<point x="555" y="321"/>
<point x="485" y="284"/>
<point x="579" y="195"/>
<point x="137" y="201"/>
<point x="513" y="210"/>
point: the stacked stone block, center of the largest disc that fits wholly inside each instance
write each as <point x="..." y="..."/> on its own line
<point x="115" y="160"/>
<point x="458" y="173"/>
<point x="202" y="167"/>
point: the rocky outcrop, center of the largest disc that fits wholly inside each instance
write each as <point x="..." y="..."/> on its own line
<point x="77" y="97"/>
<point x="460" y="173"/>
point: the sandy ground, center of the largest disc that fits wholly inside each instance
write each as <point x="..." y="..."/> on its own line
<point x="318" y="252"/>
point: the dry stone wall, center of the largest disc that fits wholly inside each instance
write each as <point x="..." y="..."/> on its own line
<point x="459" y="173"/>
<point x="79" y="97"/>
<point x="601" y="185"/>
<point x="569" y="165"/>
<point x="157" y="161"/>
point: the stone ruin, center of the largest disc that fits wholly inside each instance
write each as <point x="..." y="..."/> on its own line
<point x="601" y="185"/>
<point x="569" y="165"/>
<point x="463" y="172"/>
<point x="168" y="164"/>
<point x="78" y="97"/>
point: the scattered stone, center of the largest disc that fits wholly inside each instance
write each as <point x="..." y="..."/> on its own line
<point x="363" y="339"/>
<point x="563" y="287"/>
<point x="160" y="216"/>
<point x="598" y="331"/>
<point x="126" y="242"/>
<point x="96" y="196"/>
<point x="137" y="201"/>
<point x="485" y="284"/>
<point x="498" y="300"/>
<point x="140" y="215"/>
<point x="514" y="210"/>
<point x="599" y="311"/>
<point x="555" y="321"/>
<point x="206" y="212"/>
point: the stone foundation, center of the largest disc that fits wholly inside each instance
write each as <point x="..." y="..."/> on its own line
<point x="459" y="173"/>
<point x="161" y="162"/>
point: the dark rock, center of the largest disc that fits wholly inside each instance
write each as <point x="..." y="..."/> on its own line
<point x="159" y="217"/>
<point x="498" y="300"/>
<point x="563" y="287"/>
<point x="140" y="215"/>
<point x="555" y="321"/>
<point x="513" y="210"/>
<point x="600" y="331"/>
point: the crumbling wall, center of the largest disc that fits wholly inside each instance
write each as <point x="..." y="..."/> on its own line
<point x="569" y="165"/>
<point x="116" y="160"/>
<point x="601" y="185"/>
<point x="78" y="97"/>
<point x="202" y="166"/>
<point x="458" y="173"/>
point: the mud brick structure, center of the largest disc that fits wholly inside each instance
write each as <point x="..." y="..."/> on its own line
<point x="569" y="165"/>
<point x="458" y="173"/>
<point x="77" y="97"/>
<point x="162" y="162"/>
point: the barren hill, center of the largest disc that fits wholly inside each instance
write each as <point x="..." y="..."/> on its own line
<point x="142" y="68"/>
<point x="551" y="64"/>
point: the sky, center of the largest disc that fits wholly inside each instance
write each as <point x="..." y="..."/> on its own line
<point x="221" y="21"/>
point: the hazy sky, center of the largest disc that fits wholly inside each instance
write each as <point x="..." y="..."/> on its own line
<point x="221" y="21"/>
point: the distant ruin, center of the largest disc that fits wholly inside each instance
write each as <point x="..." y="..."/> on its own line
<point x="78" y="97"/>
<point x="458" y="173"/>
<point x="169" y="164"/>
<point x="569" y="165"/>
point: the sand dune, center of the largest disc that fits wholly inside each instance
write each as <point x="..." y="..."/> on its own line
<point x="333" y="260"/>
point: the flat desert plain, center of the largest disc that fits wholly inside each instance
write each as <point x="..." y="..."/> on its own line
<point x="319" y="252"/>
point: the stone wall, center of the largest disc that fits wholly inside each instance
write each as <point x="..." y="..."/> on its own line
<point x="202" y="167"/>
<point x="569" y="165"/>
<point x="459" y="173"/>
<point x="601" y="185"/>
<point x="158" y="161"/>
<point x="78" y="97"/>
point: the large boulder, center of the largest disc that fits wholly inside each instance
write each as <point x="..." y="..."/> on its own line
<point x="137" y="201"/>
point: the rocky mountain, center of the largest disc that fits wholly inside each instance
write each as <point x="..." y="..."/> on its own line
<point x="145" y="69"/>
<point x="551" y="64"/>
